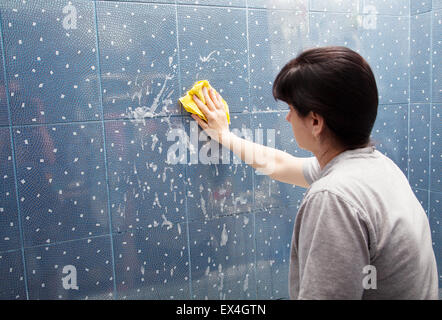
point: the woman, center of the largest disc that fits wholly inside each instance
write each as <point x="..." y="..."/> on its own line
<point x="360" y="232"/>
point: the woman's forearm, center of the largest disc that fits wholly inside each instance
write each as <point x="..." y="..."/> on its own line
<point x="277" y="164"/>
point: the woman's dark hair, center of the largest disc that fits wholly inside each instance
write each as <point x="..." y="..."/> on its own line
<point x="336" y="83"/>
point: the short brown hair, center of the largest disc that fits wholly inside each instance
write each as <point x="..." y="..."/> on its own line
<point x="338" y="84"/>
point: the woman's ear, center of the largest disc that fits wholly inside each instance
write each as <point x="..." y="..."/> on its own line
<point x="317" y="124"/>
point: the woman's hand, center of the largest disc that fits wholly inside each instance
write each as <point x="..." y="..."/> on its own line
<point x="217" y="125"/>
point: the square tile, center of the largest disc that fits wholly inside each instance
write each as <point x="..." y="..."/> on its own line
<point x="61" y="182"/>
<point x="436" y="148"/>
<point x="223" y="258"/>
<point x="12" y="276"/>
<point x="337" y="29"/>
<point x="144" y="188"/>
<point x="419" y="145"/>
<point x="9" y="225"/>
<point x="275" y="38"/>
<point x="152" y="263"/>
<point x="390" y="134"/>
<point x="420" y="58"/>
<point x="213" y="46"/>
<point x="274" y="230"/>
<point x="80" y="269"/>
<point x="272" y="130"/>
<point x="139" y="60"/>
<point x="436" y="232"/>
<point x="218" y="182"/>
<point x="51" y="61"/>
<point x="387" y="52"/>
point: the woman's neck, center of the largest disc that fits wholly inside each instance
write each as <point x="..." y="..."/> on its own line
<point x="325" y="155"/>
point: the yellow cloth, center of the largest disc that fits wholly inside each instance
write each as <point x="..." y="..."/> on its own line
<point x="197" y="90"/>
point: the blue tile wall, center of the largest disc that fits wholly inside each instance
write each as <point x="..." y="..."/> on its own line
<point x="9" y="224"/>
<point x="221" y="56"/>
<point x="336" y="6"/>
<point x="420" y="57"/>
<point x="51" y="64"/>
<point x="4" y="117"/>
<point x="300" y="5"/>
<point x="139" y="59"/>
<point x="50" y="269"/>
<point x="223" y="258"/>
<point x="391" y="135"/>
<point x="392" y="77"/>
<point x="89" y="114"/>
<point x="61" y="182"/>
<point x="436" y="23"/>
<point x="390" y="7"/>
<point x="334" y="28"/>
<point x="12" y="276"/>
<point x="436" y="71"/>
<point x="153" y="1"/>
<point x="218" y="183"/>
<point x="420" y="6"/>
<point x="228" y="3"/>
<point x="143" y="188"/>
<point x="419" y="145"/>
<point x="275" y="37"/>
<point x="153" y="263"/>
<point x="274" y="229"/>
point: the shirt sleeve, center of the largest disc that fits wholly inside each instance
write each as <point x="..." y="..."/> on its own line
<point x="332" y="248"/>
<point x="311" y="169"/>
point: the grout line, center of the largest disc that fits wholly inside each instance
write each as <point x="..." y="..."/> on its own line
<point x="431" y="112"/>
<point x="10" y="251"/>
<point x="105" y="151"/>
<point x="195" y="220"/>
<point x="14" y="164"/>
<point x="62" y="242"/>
<point x="132" y="230"/>
<point x="357" y="12"/>
<point x="253" y="213"/>
<point x="178" y="56"/>
<point x="157" y="117"/>
<point x="185" y="167"/>
<point x="176" y="3"/>
<point x="248" y="58"/>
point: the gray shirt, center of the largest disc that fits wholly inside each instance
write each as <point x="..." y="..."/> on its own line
<point x="361" y="233"/>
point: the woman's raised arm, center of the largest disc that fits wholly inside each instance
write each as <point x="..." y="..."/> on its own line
<point x="277" y="164"/>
